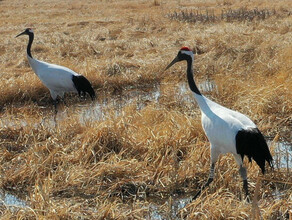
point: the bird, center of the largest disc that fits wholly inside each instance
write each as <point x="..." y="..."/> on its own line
<point x="58" y="79"/>
<point x="228" y="131"/>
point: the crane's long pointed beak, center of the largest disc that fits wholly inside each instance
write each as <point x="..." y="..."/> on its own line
<point x="20" y="34"/>
<point x="172" y="62"/>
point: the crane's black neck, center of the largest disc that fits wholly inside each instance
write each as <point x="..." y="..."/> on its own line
<point x="190" y="76"/>
<point x="31" y="36"/>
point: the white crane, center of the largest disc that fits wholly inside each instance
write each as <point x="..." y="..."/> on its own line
<point x="228" y="131"/>
<point x="58" y="79"/>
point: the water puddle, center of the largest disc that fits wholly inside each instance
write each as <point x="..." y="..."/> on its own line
<point x="12" y="122"/>
<point x="282" y="154"/>
<point x="185" y="94"/>
<point x="203" y="85"/>
<point x="207" y="86"/>
<point x="115" y="104"/>
<point x="168" y="209"/>
<point x="278" y="194"/>
<point x="11" y="201"/>
<point x="101" y="109"/>
<point x="97" y="111"/>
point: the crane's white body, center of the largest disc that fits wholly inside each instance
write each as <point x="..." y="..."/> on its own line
<point x="221" y="126"/>
<point x="58" y="79"/>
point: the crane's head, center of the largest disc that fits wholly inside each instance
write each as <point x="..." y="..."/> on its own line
<point x="27" y="31"/>
<point x="184" y="53"/>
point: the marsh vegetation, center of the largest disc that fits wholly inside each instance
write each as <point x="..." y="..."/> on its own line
<point x="139" y="151"/>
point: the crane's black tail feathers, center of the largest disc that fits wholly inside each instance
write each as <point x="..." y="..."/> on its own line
<point x="251" y="143"/>
<point x="83" y="86"/>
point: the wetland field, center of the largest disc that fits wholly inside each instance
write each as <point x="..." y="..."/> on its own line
<point x="139" y="151"/>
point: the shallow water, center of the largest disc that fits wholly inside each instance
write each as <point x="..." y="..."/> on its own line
<point x="207" y="86"/>
<point x="11" y="201"/>
<point x="170" y="210"/>
<point x="101" y="109"/>
<point x="282" y="154"/>
<point x="96" y="111"/>
<point x="105" y="106"/>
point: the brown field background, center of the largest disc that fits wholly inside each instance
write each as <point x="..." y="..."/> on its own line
<point x="117" y="167"/>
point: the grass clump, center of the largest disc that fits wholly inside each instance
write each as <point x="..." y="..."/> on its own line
<point x="230" y="15"/>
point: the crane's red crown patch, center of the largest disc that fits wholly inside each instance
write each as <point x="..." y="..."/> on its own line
<point x="186" y="48"/>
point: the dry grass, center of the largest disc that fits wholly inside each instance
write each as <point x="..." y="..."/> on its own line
<point x="230" y="15"/>
<point x="117" y="167"/>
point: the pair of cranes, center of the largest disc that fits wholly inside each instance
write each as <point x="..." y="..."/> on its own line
<point x="228" y="131"/>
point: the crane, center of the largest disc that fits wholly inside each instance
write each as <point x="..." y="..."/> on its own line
<point x="58" y="79"/>
<point x="228" y="131"/>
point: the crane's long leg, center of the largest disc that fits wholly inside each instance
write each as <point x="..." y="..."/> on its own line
<point x="54" y="96"/>
<point x="63" y="98"/>
<point x="243" y="174"/>
<point x="214" y="157"/>
<point x="210" y="179"/>
<point x="55" y="102"/>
